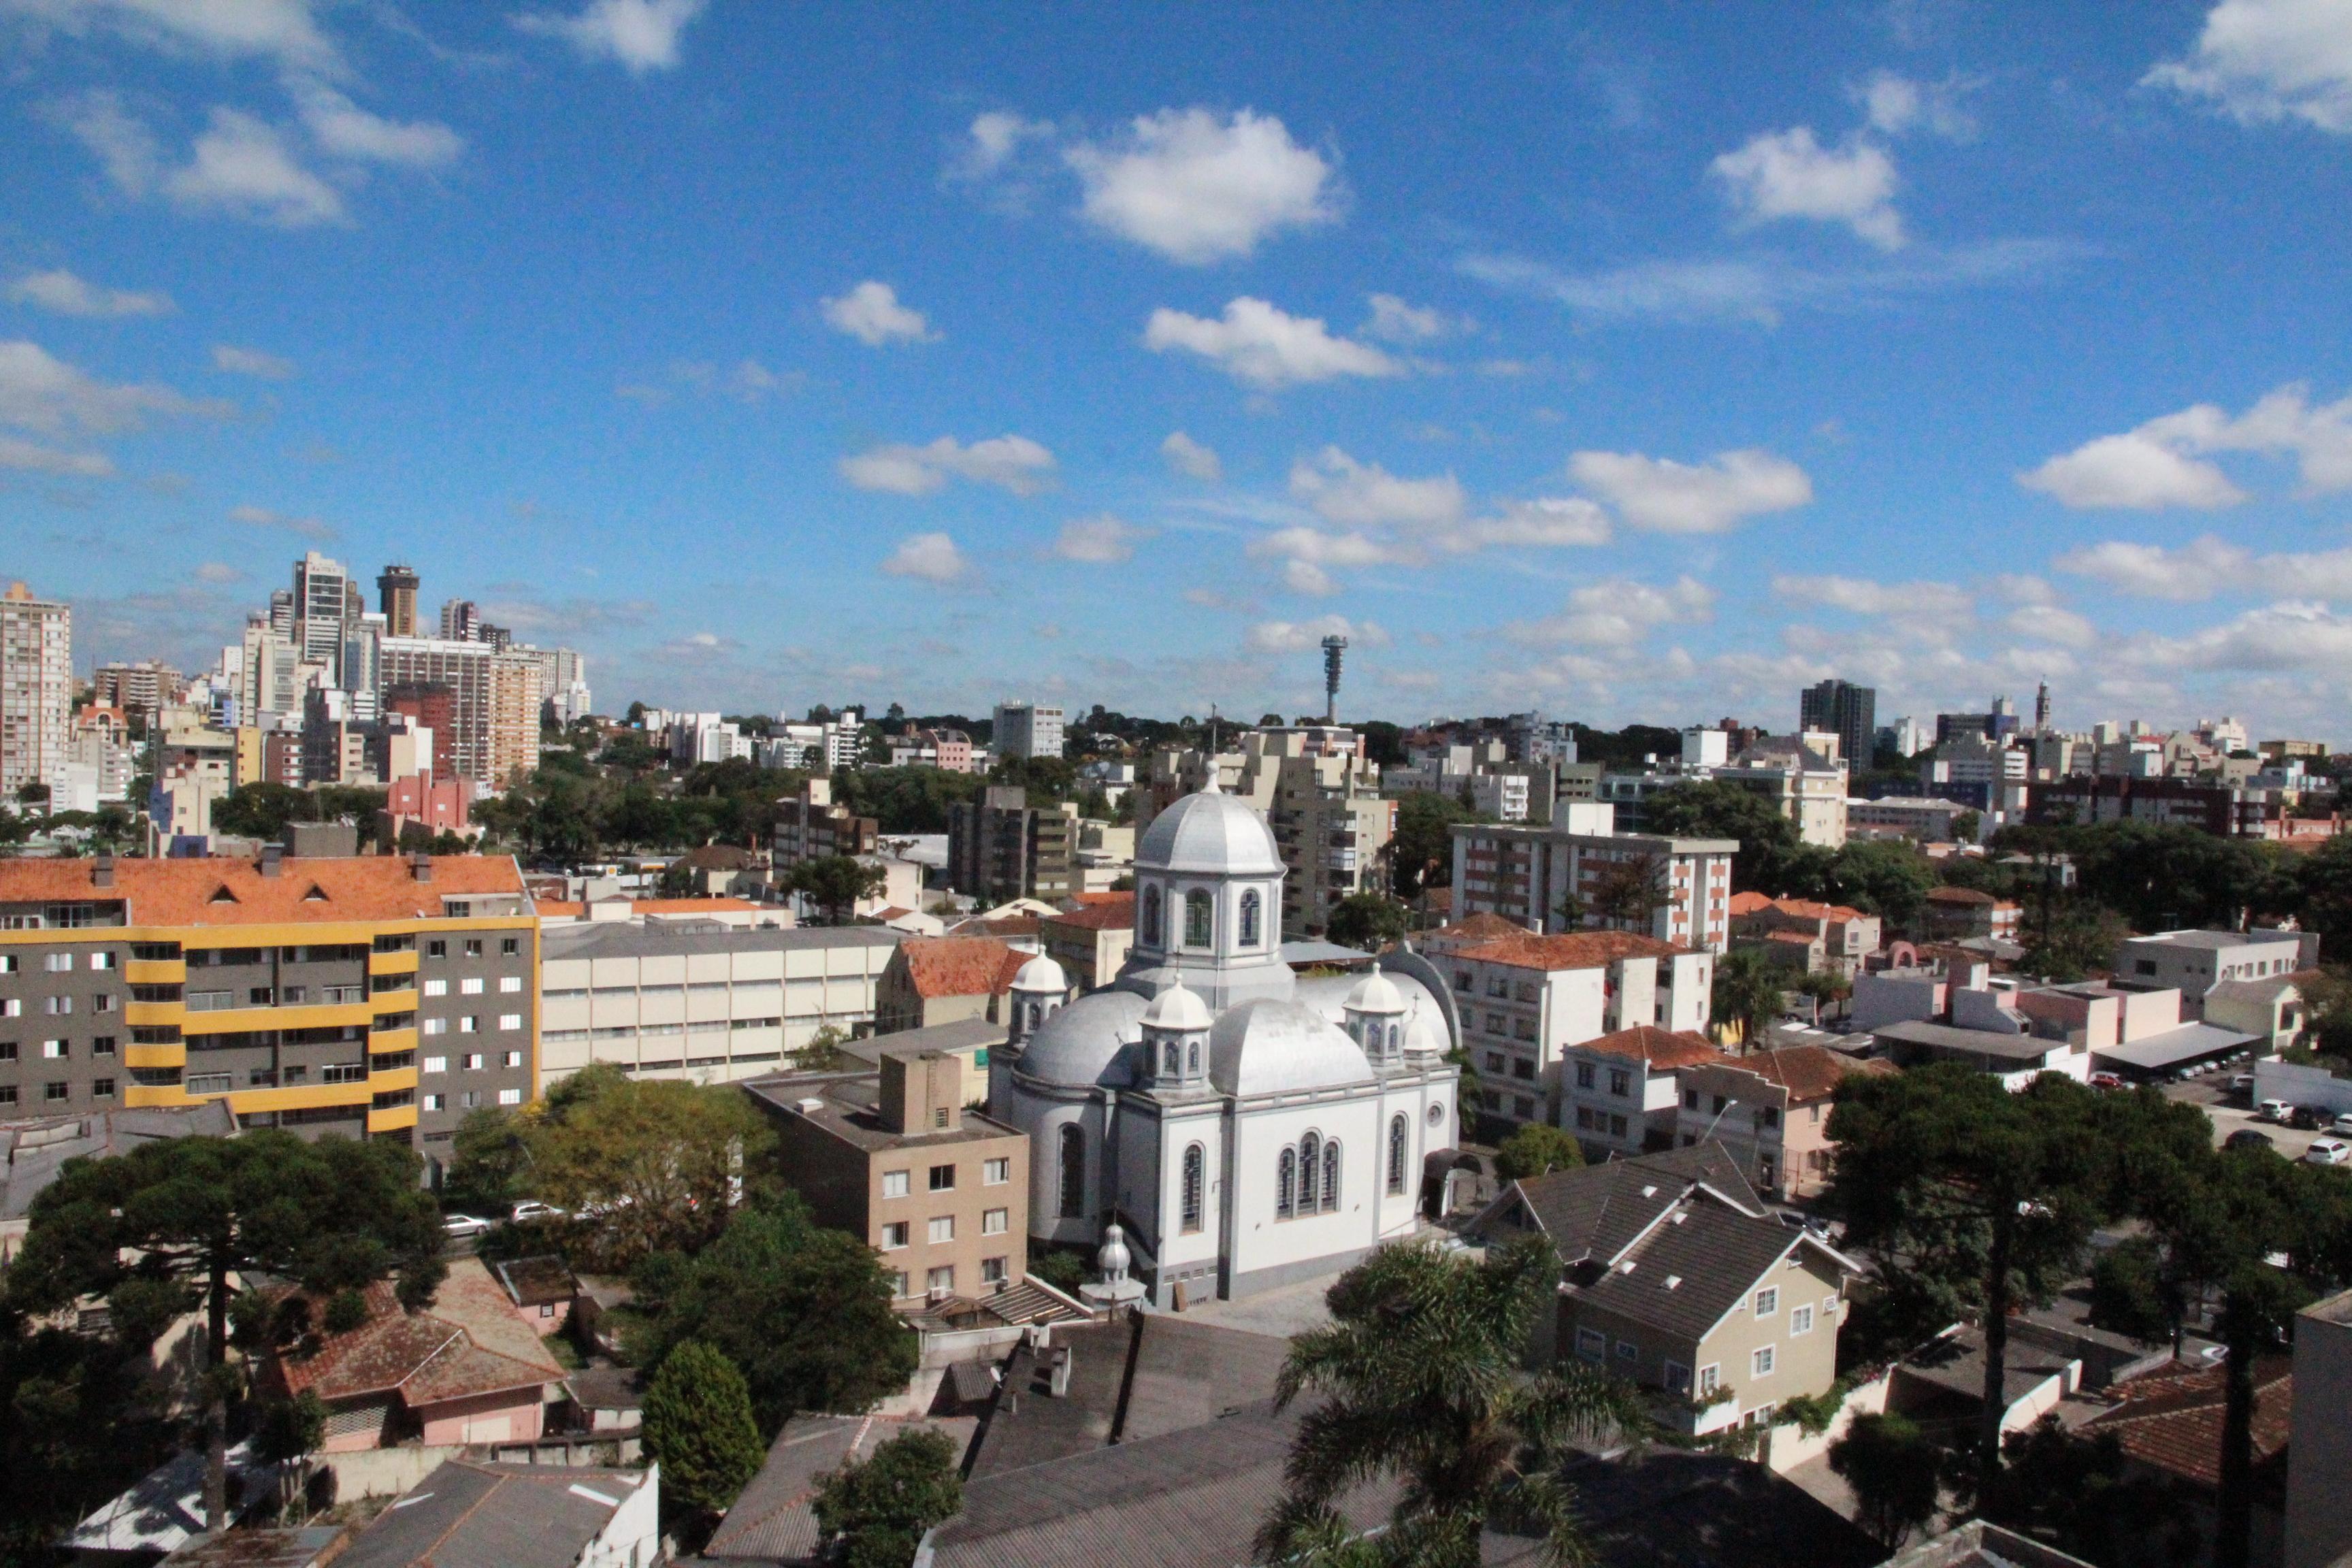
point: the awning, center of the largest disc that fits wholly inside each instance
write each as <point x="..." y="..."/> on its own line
<point x="2174" y="1047"/>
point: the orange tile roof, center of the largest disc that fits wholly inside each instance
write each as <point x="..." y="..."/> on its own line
<point x="233" y="891"/>
<point x="1802" y="909"/>
<point x="1749" y="902"/>
<point x="468" y="1344"/>
<point x="1117" y="913"/>
<point x="1569" y="950"/>
<point x="2172" y="1421"/>
<point x="1809" y="1072"/>
<point x="1101" y="897"/>
<point x="1667" y="1048"/>
<point x="1481" y="925"/>
<point x="556" y="909"/>
<point x="961" y="965"/>
<point x="689" y="906"/>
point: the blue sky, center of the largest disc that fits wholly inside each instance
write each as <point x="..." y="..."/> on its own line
<point x="1631" y="362"/>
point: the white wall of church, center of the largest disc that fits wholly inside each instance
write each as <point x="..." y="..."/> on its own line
<point x="1263" y="1240"/>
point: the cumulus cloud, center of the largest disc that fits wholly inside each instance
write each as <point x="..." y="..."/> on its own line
<point x="31" y="457"/>
<point x="2161" y="464"/>
<point x="1788" y="174"/>
<point x="1189" y="458"/>
<point x="283" y="30"/>
<point x="1399" y="322"/>
<point x="1354" y="494"/>
<point x="2134" y="471"/>
<point x="933" y="557"/>
<point x="1297" y="636"/>
<point x="1621" y="612"/>
<point x="46" y="395"/>
<point x="872" y="314"/>
<point x="1262" y="346"/>
<point x="251" y="361"/>
<point x="1895" y="104"/>
<point x="2290" y="636"/>
<point x="993" y="139"/>
<point x="1015" y="463"/>
<point x="2262" y="60"/>
<point x="2206" y="566"/>
<point x="1545" y="523"/>
<point x="238" y="164"/>
<point x="639" y="35"/>
<point x="63" y="294"/>
<point x="1103" y="540"/>
<point x="263" y="517"/>
<point x="2050" y="624"/>
<point x="344" y="130"/>
<point x="1668" y="496"/>
<point x="1937" y="602"/>
<point x="1196" y="188"/>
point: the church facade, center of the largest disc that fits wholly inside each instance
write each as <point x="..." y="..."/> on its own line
<point x="1245" y="1126"/>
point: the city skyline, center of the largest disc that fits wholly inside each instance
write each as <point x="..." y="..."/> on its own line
<point x="775" y="358"/>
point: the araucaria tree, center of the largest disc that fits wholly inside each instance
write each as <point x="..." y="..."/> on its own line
<point x="184" y="1215"/>
<point x="1422" y="1378"/>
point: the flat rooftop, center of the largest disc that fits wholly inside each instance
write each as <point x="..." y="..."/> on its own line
<point x="1982" y="1042"/>
<point x="848" y="1106"/>
<point x="618" y="939"/>
<point x="2214" y="941"/>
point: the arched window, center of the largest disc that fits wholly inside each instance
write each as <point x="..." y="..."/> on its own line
<point x="1397" y="1134"/>
<point x="1331" y="1175"/>
<point x="1073" y="1172"/>
<point x="1193" y="1056"/>
<point x="1151" y="917"/>
<point x="1195" y="1173"/>
<point x="1169" y="1056"/>
<point x="1396" y="1037"/>
<point x="1251" y="905"/>
<point x="1286" y="1175"/>
<point x="1310" y="1159"/>
<point x="1196" y="918"/>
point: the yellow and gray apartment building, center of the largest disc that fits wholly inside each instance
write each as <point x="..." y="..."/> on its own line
<point x="371" y="996"/>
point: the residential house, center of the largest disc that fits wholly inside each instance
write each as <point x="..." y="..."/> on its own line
<point x="1622" y="1092"/>
<point x="1831" y="939"/>
<point x="2169" y="1425"/>
<point x="467" y="1514"/>
<point x="543" y="1290"/>
<point x="1091" y="940"/>
<point x="1676" y="1277"/>
<point x="1770" y="1111"/>
<point x="1957" y="914"/>
<point x="938" y="980"/>
<point x="1675" y="890"/>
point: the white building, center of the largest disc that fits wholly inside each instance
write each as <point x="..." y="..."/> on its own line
<point x="1027" y="729"/>
<point x="2194" y="962"/>
<point x="1525" y="874"/>
<point x="1247" y="1128"/>
<point x="1923" y="817"/>
<point x="35" y="688"/>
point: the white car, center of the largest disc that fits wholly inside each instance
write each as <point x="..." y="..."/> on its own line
<point x="2274" y="1110"/>
<point x="531" y="1208"/>
<point x="2327" y="1151"/>
<point x="2342" y="1125"/>
<point x="458" y="1226"/>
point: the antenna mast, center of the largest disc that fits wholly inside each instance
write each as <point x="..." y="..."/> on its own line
<point x="1333" y="648"/>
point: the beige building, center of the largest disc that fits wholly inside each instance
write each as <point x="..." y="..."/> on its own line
<point x="495" y="701"/>
<point x="1527" y="874"/>
<point x="938" y="1189"/>
<point x="1803" y="777"/>
<point x="35" y="688"/>
<point x="1770" y="1111"/>
<point x="938" y="980"/>
<point x="1092" y="941"/>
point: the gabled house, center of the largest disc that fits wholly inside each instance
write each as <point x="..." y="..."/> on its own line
<point x="1770" y="1111"/>
<point x="1676" y="1277"/>
<point x="1820" y="938"/>
<point x="940" y="980"/>
<point x="1622" y="1093"/>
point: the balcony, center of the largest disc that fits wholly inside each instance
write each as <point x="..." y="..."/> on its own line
<point x="391" y="1118"/>
<point x="155" y="971"/>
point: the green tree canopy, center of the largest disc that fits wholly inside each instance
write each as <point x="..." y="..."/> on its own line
<point x="1535" y="1149"/>
<point x="837" y="884"/>
<point x="697" y="1424"/>
<point x="1747" y="992"/>
<point x="875" y="1510"/>
<point x="1712" y="810"/>
<point x="1893" y="1468"/>
<point x="1422" y="850"/>
<point x="1367" y="921"/>
<point x="489" y="1157"/>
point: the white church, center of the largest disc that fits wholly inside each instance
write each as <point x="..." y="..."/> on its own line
<point x="1243" y="1127"/>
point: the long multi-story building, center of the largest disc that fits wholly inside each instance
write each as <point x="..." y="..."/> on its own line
<point x="812" y="826"/>
<point x="1000" y="847"/>
<point x="375" y="996"/>
<point x="1027" y="729"/>
<point x="493" y="702"/>
<point x="146" y="688"/>
<point x="1675" y="890"/>
<point x="35" y="688"/>
<point x="1848" y="711"/>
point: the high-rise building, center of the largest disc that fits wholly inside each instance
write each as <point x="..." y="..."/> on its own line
<point x="1027" y="729"/>
<point x="433" y="709"/>
<point x="1000" y="847"/>
<point x="1848" y="711"/>
<point x="396" y="599"/>
<point x="141" y="687"/>
<point x="323" y="592"/>
<point x="461" y="621"/>
<point x="494" y="704"/>
<point x="35" y="688"/>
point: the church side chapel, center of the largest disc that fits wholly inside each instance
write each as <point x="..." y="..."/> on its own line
<point x="1242" y="1126"/>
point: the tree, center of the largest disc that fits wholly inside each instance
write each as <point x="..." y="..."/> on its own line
<point x="287" y="1432"/>
<point x="2132" y="1292"/>
<point x="1883" y="877"/>
<point x="1627" y="894"/>
<point x="1712" y="810"/>
<point x="837" y="883"/>
<point x="2080" y="1495"/>
<point x="2071" y="936"/>
<point x="1420" y="1371"/>
<point x="874" y="1511"/>
<point x="1423" y="845"/>
<point x="1747" y="993"/>
<point x="1366" y="920"/>
<point x="803" y="1311"/>
<point x="1892" y="1468"/>
<point x="489" y="1157"/>
<point x="182" y="1214"/>
<point x="261" y="810"/>
<point x="1535" y="1149"/>
<point x="698" y="1423"/>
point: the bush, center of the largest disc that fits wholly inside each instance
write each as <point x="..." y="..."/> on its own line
<point x="1534" y="1149"/>
<point x="877" y="1510"/>
<point x="697" y="1424"/>
<point x="1063" y="1270"/>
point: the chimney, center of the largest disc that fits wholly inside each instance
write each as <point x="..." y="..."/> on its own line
<point x="922" y="1092"/>
<point x="271" y="854"/>
<point x="101" y="873"/>
<point x="420" y="866"/>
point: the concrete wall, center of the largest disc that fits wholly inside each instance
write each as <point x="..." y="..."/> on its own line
<point x="385" y="1472"/>
<point x="2316" y="1087"/>
<point x="2320" y="1454"/>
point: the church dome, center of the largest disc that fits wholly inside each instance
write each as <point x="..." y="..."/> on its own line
<point x="1210" y="832"/>
<point x="1085" y="1044"/>
<point x="1177" y="1009"/>
<point x="1378" y="994"/>
<point x="1041" y="974"/>
<point x="1274" y="1046"/>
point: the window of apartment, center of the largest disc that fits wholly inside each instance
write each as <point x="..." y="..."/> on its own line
<point x="1801" y="1319"/>
<point x="12" y="1007"/>
<point x="437" y="988"/>
<point x="1462" y="981"/>
<point x="437" y="948"/>
<point x="894" y="1236"/>
<point x="1690" y="1099"/>
<point x="994" y="1222"/>
<point x="56" y="1005"/>
<point x="1768" y="1300"/>
<point x="293" y="997"/>
<point x="1763" y="1361"/>
<point x="1584" y="1074"/>
<point x="509" y="945"/>
<point x="1494" y="1061"/>
<point x="54" y="1050"/>
<point x="1523" y="1028"/>
<point x="7" y="963"/>
<point x="1620" y="1083"/>
<point x="472" y="947"/>
<point x="208" y="1083"/>
<point x="995" y="1172"/>
<point x="101" y="959"/>
<point x="510" y="1059"/>
<point x="471" y="1061"/>
<point x="470" y="1098"/>
<point x="436" y="1026"/>
<point x="102" y="1046"/>
<point x="1829" y="1309"/>
<point x="57" y="1090"/>
<point x="509" y="1097"/>
<point x="1628" y="1353"/>
<point x="940" y="1114"/>
<point x="1709" y="1378"/>
<point x="1494" y="1024"/>
<point x="894" y="1183"/>
<point x="1523" y="1067"/>
<point x="470" y="986"/>
<point x="436" y="1064"/>
<point x="1769" y="1116"/>
<point x="1584" y="1118"/>
<point x="1498" y="985"/>
<point x="471" y="1023"/>
<point x="1616" y="1127"/>
<point x="58" y="962"/>
<point x="941" y="1228"/>
<point x="511" y="983"/>
<point x="991" y="1270"/>
<point x="435" y="1101"/>
<point x="943" y="1178"/>
<point x="102" y="1089"/>
<point x="1523" y="1107"/>
<point x="1591" y="1345"/>
<point x="939" y="1281"/>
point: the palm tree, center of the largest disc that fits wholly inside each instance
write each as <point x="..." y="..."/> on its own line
<point x="1421" y="1373"/>
<point x="1747" y="992"/>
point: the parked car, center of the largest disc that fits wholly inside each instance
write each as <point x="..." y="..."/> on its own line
<point x="2327" y="1151"/>
<point x="2241" y="1083"/>
<point x="2307" y="1119"/>
<point x="2342" y="1125"/>
<point x="2106" y="1080"/>
<point x="531" y="1208"/>
<point x="2247" y="1138"/>
<point x="460" y="1226"/>
<point x="2277" y="1110"/>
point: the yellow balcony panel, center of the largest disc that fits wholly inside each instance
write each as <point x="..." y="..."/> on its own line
<point x="300" y="1097"/>
<point x="171" y="1056"/>
<point x="155" y="971"/>
<point x="392" y="1080"/>
<point x="237" y="1020"/>
<point x="384" y="1040"/>
<point x="392" y="1119"/>
<point x="143" y="1096"/>
<point x="392" y="963"/>
<point x="152" y="1012"/>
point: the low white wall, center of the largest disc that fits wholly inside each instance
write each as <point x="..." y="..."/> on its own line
<point x="2316" y="1087"/>
<point x="385" y="1472"/>
<point x="1790" y="1445"/>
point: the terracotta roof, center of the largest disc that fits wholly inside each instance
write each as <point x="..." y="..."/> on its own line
<point x="2172" y="1421"/>
<point x="1799" y="939"/>
<point x="233" y="891"/>
<point x="1961" y="896"/>
<point x="1479" y="927"/>
<point x="1809" y="1072"/>
<point x="959" y="965"/>
<point x="1808" y="910"/>
<point x="1115" y="913"/>
<point x="1749" y="902"/>
<point x="556" y="909"/>
<point x="1667" y="1048"/>
<point x="1569" y="950"/>
<point x="468" y="1342"/>
<point x="1082" y="899"/>
<point x="689" y="905"/>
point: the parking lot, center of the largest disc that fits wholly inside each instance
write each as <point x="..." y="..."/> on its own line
<point x="2229" y="1112"/>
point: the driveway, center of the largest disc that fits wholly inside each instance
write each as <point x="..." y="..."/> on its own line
<point x="2229" y="1113"/>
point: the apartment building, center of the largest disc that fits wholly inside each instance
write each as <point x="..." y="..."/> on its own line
<point x="811" y="826"/>
<point x="712" y="1005"/>
<point x="35" y="688"/>
<point x="371" y="996"/>
<point x="1770" y="1112"/>
<point x="1000" y="847"/>
<point x="1804" y="778"/>
<point x="1526" y="874"/>
<point x="147" y="687"/>
<point x="1527" y="1001"/>
<point x="2194" y="962"/>
<point x="1926" y="818"/>
<point x="939" y="1190"/>
<point x="1621" y="1092"/>
<point x="1025" y="731"/>
<point x="492" y="715"/>
<point x="1848" y="711"/>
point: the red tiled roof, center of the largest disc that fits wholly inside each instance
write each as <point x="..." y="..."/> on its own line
<point x="1667" y="1048"/>
<point x="556" y="909"/>
<point x="1797" y="937"/>
<point x="1809" y="1072"/>
<point x="1750" y="903"/>
<point x="689" y="905"/>
<point x="1083" y="899"/>
<point x="959" y="965"/>
<point x="226" y="891"/>
<point x="1114" y="912"/>
<point x="468" y="1344"/>
<point x="1481" y="926"/>
<point x="1569" y="950"/>
<point x="1961" y="896"/>
<point x="2172" y="1421"/>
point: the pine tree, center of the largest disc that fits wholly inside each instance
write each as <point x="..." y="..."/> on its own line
<point x="698" y="1423"/>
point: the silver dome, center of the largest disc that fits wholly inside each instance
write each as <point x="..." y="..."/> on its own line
<point x="1272" y="1046"/>
<point x="1085" y="1044"/>
<point x="1210" y="832"/>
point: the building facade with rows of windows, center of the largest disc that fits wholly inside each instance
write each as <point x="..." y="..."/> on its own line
<point x="368" y="996"/>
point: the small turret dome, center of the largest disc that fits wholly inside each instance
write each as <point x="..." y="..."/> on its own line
<point x="1376" y="993"/>
<point x="1041" y="974"/>
<point x="1113" y="1261"/>
<point x="1178" y="1009"/>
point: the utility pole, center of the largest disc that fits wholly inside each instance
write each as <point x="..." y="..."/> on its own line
<point x="1333" y="648"/>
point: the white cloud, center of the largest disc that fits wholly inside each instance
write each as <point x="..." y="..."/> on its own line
<point x="2135" y="471"/>
<point x="1914" y="602"/>
<point x="1307" y="578"/>
<point x="61" y="292"/>
<point x="1321" y="549"/>
<point x="251" y="361"/>
<point x="284" y="30"/>
<point x="1189" y="458"/>
<point x="1661" y="494"/>
<point x="46" y="395"/>
<point x="1262" y="346"/>
<point x="1545" y="523"/>
<point x="1621" y="612"/>
<point x="2048" y="623"/>
<point x="1198" y="189"/>
<point x="871" y="313"/>
<point x="263" y="517"/>
<point x="1011" y="462"/>
<point x="1895" y="104"/>
<point x="218" y="572"/>
<point x="1297" y="636"/>
<point x="1102" y="540"/>
<point x="933" y="557"/>
<point x="994" y="139"/>
<point x="2290" y="636"/>
<point x="32" y="458"/>
<point x="1399" y="322"/>
<point x="344" y="130"/>
<point x="640" y="35"/>
<point x="1361" y="495"/>
<point x="1788" y="174"/>
<point x="2196" y="571"/>
<point x="242" y="165"/>
<point x="2265" y="60"/>
<point x="2159" y="463"/>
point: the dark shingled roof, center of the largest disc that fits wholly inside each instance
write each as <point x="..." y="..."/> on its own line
<point x="1697" y="1510"/>
<point x="1593" y="1212"/>
<point x="771" y="1522"/>
<point x="467" y="1515"/>
<point x="1693" y="1269"/>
